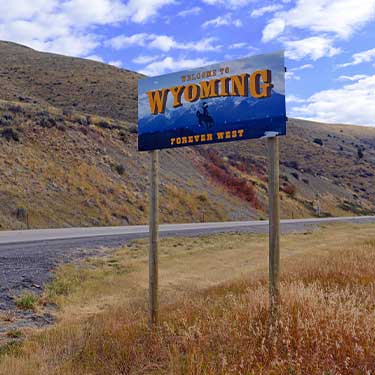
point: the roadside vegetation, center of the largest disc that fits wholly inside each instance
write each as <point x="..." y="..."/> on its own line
<point x="27" y="301"/>
<point x="214" y="314"/>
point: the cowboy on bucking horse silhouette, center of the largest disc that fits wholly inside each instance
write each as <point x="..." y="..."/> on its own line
<point x="204" y="118"/>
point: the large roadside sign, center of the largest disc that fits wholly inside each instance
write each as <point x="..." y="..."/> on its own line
<point x="229" y="101"/>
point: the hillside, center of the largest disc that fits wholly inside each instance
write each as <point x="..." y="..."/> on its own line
<point x="44" y="79"/>
<point x="69" y="156"/>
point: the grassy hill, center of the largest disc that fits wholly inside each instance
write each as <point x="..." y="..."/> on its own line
<point x="69" y="156"/>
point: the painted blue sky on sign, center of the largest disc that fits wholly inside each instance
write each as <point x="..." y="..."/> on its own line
<point x="329" y="44"/>
<point x="269" y="61"/>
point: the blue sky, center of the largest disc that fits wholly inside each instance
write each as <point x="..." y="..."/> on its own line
<point x="329" y="44"/>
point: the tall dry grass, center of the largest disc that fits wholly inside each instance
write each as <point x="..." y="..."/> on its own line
<point x="326" y="326"/>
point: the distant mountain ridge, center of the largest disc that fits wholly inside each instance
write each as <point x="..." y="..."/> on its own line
<point x="231" y="108"/>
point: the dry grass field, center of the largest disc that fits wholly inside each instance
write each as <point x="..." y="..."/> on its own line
<point x="214" y="302"/>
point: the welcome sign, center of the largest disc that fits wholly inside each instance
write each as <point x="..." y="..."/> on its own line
<point x="231" y="101"/>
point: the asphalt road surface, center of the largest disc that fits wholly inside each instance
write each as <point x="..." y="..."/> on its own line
<point x="86" y="235"/>
<point x="27" y="257"/>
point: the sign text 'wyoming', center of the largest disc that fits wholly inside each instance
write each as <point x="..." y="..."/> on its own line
<point x="258" y="85"/>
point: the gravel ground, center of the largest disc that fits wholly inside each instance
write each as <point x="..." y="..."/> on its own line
<point x="28" y="266"/>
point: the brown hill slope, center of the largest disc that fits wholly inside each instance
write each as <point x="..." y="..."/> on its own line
<point x="68" y="141"/>
<point x="66" y="82"/>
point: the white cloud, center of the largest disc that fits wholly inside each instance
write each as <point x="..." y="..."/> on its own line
<point x="226" y="20"/>
<point x="164" y="43"/>
<point x="356" y="77"/>
<point x="203" y="45"/>
<point x="123" y="41"/>
<point x="190" y="12"/>
<point x="71" y="45"/>
<point x="273" y="29"/>
<point x="24" y="9"/>
<point x="314" y="47"/>
<point x="68" y="26"/>
<point x="267" y="9"/>
<point x="339" y="17"/>
<point x="170" y="64"/>
<point x="351" y="104"/>
<point x="292" y="75"/>
<point x="238" y="45"/>
<point x="233" y="4"/>
<point x="95" y="58"/>
<point x="361" y="57"/>
<point x="98" y="58"/>
<point x="237" y="23"/>
<point x="142" y="59"/>
<point x="294" y="99"/>
<point x="98" y="12"/>
<point x="116" y="63"/>
<point x="302" y="67"/>
<point x="141" y="10"/>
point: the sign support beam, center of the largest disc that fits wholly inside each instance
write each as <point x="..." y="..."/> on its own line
<point x="154" y="239"/>
<point x="274" y="226"/>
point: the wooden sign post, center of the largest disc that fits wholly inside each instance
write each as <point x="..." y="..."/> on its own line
<point x="154" y="238"/>
<point x="274" y="225"/>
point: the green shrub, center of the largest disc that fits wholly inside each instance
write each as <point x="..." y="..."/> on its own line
<point x="10" y="134"/>
<point x="45" y="120"/>
<point x="295" y="175"/>
<point x="8" y="116"/>
<point x="15" y="108"/>
<point x="59" y="288"/>
<point x="120" y="169"/>
<point x="10" y="348"/>
<point x="5" y="122"/>
<point x="133" y="129"/>
<point x="27" y="301"/>
<point x="318" y="141"/>
<point x="14" y="334"/>
<point x="66" y="280"/>
<point x="202" y="197"/>
<point x="104" y="124"/>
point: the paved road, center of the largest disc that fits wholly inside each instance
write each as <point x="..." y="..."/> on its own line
<point x="27" y="257"/>
<point x="135" y="231"/>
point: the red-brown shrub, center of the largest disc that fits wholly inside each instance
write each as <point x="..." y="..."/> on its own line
<point x="239" y="187"/>
<point x="289" y="189"/>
